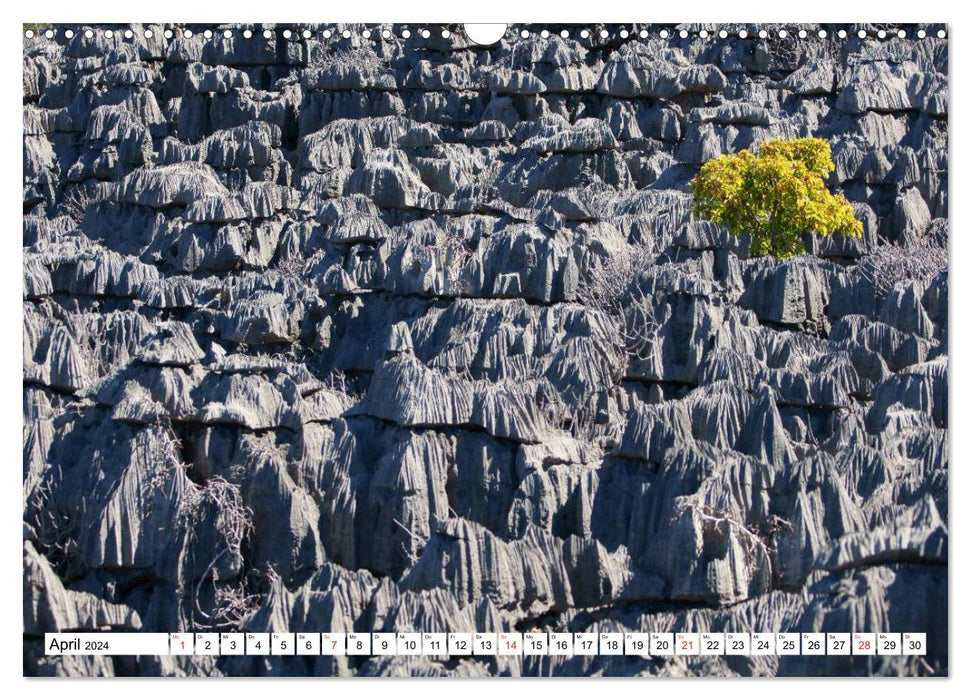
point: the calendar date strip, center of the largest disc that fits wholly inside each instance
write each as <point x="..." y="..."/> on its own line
<point x="459" y="644"/>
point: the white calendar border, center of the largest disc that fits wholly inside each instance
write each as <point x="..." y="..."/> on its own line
<point x="509" y="11"/>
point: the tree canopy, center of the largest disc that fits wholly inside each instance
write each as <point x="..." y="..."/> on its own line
<point x="776" y="196"/>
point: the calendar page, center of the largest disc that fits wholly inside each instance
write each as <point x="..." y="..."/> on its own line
<point x="454" y="350"/>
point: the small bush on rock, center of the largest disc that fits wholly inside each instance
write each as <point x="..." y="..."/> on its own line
<point x="889" y="264"/>
<point x="775" y="197"/>
<point x="612" y="286"/>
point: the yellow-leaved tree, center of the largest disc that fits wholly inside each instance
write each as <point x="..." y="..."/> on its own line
<point x="775" y="196"/>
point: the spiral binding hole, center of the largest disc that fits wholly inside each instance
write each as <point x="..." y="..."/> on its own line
<point x="623" y="33"/>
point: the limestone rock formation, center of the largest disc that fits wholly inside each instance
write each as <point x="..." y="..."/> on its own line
<point x="391" y="334"/>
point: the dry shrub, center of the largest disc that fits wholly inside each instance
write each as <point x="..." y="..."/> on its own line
<point x="890" y="264"/>
<point x="232" y="600"/>
<point x="611" y="286"/>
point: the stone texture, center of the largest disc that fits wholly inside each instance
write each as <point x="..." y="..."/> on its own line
<point x="415" y="335"/>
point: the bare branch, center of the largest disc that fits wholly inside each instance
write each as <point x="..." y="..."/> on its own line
<point x="890" y="264"/>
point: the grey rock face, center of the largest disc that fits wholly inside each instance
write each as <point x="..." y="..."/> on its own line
<point x="410" y="334"/>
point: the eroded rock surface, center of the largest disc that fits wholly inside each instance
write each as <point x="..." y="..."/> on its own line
<point x="313" y="340"/>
